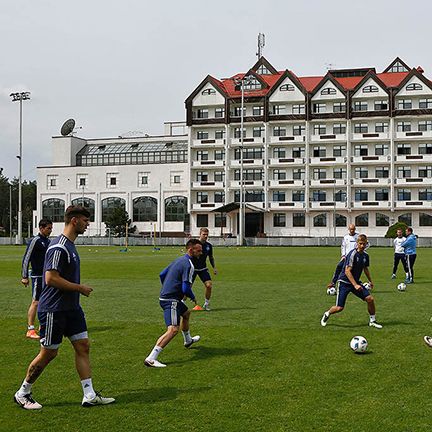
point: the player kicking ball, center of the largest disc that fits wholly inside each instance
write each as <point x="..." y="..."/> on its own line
<point x="356" y="262"/>
<point x="176" y="284"/>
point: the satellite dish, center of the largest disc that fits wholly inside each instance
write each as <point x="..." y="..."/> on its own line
<point x="68" y="127"/>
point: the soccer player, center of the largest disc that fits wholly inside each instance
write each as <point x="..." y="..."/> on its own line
<point x="410" y="247"/>
<point x="34" y="256"/>
<point x="349" y="243"/>
<point x="356" y="262"/>
<point x="60" y="313"/>
<point x="176" y="284"/>
<point x="201" y="269"/>
<point x="399" y="253"/>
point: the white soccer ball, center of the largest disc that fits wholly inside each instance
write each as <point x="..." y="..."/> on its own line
<point x="367" y="286"/>
<point x="401" y="287"/>
<point x="358" y="344"/>
<point x="331" y="291"/>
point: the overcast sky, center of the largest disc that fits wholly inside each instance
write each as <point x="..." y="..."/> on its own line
<point x="120" y="66"/>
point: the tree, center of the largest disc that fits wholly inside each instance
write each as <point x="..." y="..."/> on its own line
<point x="391" y="232"/>
<point x="117" y="221"/>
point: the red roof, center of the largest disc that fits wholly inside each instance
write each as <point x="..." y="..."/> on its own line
<point x="392" y="79"/>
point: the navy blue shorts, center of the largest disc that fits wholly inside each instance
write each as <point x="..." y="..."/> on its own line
<point x="173" y="310"/>
<point x="345" y="289"/>
<point x="36" y="287"/>
<point x="204" y="275"/>
<point x="55" y="325"/>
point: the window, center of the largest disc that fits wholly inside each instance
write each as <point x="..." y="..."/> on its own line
<point x="202" y="135"/>
<point x="175" y="209"/>
<point x="219" y="112"/>
<point x="262" y="70"/>
<point x="425" y="219"/>
<point x="340" y="220"/>
<point x="425" y="149"/>
<point x="202" y="221"/>
<point x="299" y="220"/>
<point x="404" y="126"/>
<point x="109" y="205"/>
<point x="339" y="150"/>
<point x="219" y="154"/>
<point x="219" y="176"/>
<point x="328" y="91"/>
<point x="339" y="107"/>
<point x="52" y="181"/>
<point x="320" y="220"/>
<point x="320" y="129"/>
<point x="298" y="109"/>
<point x="143" y="178"/>
<point x="53" y="209"/>
<point x="219" y="197"/>
<point x="340" y="196"/>
<point x="406" y="218"/>
<point x="360" y="150"/>
<point x="298" y="130"/>
<point x="319" y="108"/>
<point x="425" y="125"/>
<point x="88" y="203"/>
<point x="82" y="180"/>
<point x="279" y="220"/>
<point x="111" y="179"/>
<point x="279" y="131"/>
<point x="382" y="220"/>
<point x="361" y="195"/>
<point x="425" y="171"/>
<point x="258" y="110"/>
<point x="237" y="132"/>
<point x="381" y="195"/>
<point x="339" y="173"/>
<point x="360" y="106"/>
<point x="362" y="220"/>
<point x="361" y="128"/>
<point x="404" y="195"/>
<point x="403" y="149"/>
<point x="279" y="152"/>
<point x="250" y="196"/>
<point x="361" y="172"/>
<point x="319" y="173"/>
<point x="425" y="103"/>
<point x="202" y="176"/>
<point x="202" y="197"/>
<point x="279" y="109"/>
<point x="404" y="172"/>
<point x="381" y="127"/>
<point x="381" y="172"/>
<point x="370" y="89"/>
<point x="425" y="194"/>
<point x="414" y="86"/>
<point x="319" y="152"/>
<point x="249" y="153"/>
<point x="398" y="67"/>
<point x="238" y="111"/>
<point x="220" y="134"/>
<point x="145" y="209"/>
<point x="287" y="87"/>
<point x="404" y="104"/>
<point x="298" y="152"/>
<point x="279" y="174"/>
<point x="339" y="128"/>
<point x="202" y="113"/>
<point x="207" y="92"/>
<point x="380" y="105"/>
<point x="279" y="196"/>
<point x="220" y="221"/>
<point x="381" y="149"/>
<point x="249" y="174"/>
<point x="258" y="131"/>
<point x="319" y="195"/>
<point x="298" y="174"/>
<point x="202" y="155"/>
<point x="298" y="196"/>
<point x="251" y="83"/>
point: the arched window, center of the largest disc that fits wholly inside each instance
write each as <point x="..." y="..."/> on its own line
<point x="382" y="220"/>
<point x="341" y="220"/>
<point x="362" y="220"/>
<point x="208" y="92"/>
<point x="370" y="89"/>
<point x="145" y="209"/>
<point x="287" y="87"/>
<point x="425" y="219"/>
<point x="328" y="91"/>
<point x="53" y="209"/>
<point x="109" y="204"/>
<point x="175" y="209"/>
<point x="414" y="86"/>
<point x="405" y="218"/>
<point x="320" y="220"/>
<point x="88" y="203"/>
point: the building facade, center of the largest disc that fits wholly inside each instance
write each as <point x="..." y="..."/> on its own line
<point x="317" y="153"/>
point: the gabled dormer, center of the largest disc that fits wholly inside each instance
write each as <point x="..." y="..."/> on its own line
<point x="370" y="86"/>
<point x="397" y="65"/>
<point x="263" y="67"/>
<point x="288" y="88"/>
<point x="328" y="89"/>
<point x="252" y="82"/>
<point x="414" y="84"/>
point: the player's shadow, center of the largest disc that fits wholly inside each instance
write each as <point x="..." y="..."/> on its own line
<point x="104" y="328"/>
<point x="229" y="309"/>
<point x="362" y="325"/>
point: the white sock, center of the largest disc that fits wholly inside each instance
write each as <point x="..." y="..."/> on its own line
<point x="155" y="352"/>
<point x="25" y="388"/>
<point x="30" y="327"/>
<point x="186" y="336"/>
<point x="206" y="302"/>
<point x="372" y="318"/>
<point x="87" y="387"/>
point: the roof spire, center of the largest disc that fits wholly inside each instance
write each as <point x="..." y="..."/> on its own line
<point x="261" y="44"/>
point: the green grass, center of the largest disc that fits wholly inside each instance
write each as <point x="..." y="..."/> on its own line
<point x="264" y="362"/>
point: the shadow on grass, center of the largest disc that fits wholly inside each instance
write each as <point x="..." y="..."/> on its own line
<point x="224" y="309"/>
<point x="384" y="324"/>
<point x="102" y="328"/>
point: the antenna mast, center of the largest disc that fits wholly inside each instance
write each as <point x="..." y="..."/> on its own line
<point x="261" y="44"/>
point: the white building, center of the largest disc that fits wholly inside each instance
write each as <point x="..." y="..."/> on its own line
<point x="353" y="146"/>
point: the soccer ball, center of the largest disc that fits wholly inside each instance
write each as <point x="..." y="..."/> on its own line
<point x="401" y="287"/>
<point x="331" y="291"/>
<point x="358" y="344"/>
<point x="367" y="286"/>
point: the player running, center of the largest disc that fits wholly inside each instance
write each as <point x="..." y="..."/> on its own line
<point x="34" y="256"/>
<point x="356" y="262"/>
<point x="176" y="284"/>
<point x="60" y="313"/>
<point x="399" y="253"/>
<point x="201" y="269"/>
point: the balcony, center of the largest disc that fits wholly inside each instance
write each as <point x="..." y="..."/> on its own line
<point x="328" y="137"/>
<point x="413" y="204"/>
<point x="206" y="206"/>
<point x="287" y="139"/>
<point x="370" y="136"/>
<point x="247" y="141"/>
<point x="371" y="182"/>
<point x="328" y="183"/>
<point x="329" y="205"/>
<point x="208" y="164"/>
<point x="413" y="181"/>
<point x="286" y="183"/>
<point x="207" y="185"/>
<point x="206" y="143"/>
<point x="372" y="159"/>
<point x="247" y="183"/>
<point x="413" y="135"/>
<point x="284" y="205"/>
<point x="286" y="161"/>
<point x="370" y="204"/>
<point x="247" y="162"/>
<point x="328" y="160"/>
<point x="425" y="158"/>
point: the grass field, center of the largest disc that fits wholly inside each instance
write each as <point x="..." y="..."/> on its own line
<point x="264" y="362"/>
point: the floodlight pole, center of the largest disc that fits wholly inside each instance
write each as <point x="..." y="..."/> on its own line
<point x="241" y="209"/>
<point x="20" y="97"/>
<point x="334" y="210"/>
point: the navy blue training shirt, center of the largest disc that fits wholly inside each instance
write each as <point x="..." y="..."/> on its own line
<point x="172" y="278"/>
<point x="357" y="261"/>
<point x="201" y="262"/>
<point x="34" y="256"/>
<point x="63" y="257"/>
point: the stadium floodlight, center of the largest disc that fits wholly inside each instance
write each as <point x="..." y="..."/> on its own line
<point x="19" y="97"/>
